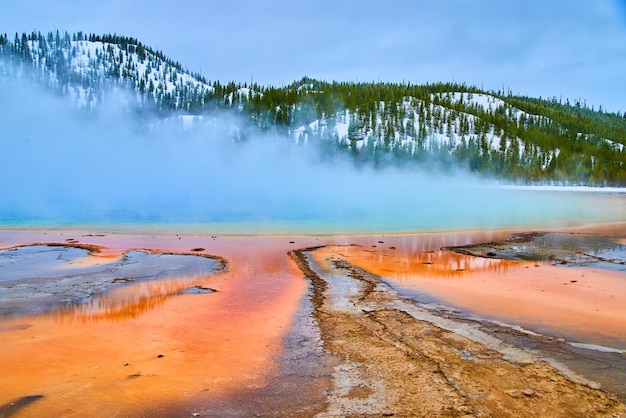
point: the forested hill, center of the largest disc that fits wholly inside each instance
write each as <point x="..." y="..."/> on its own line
<point x="442" y="125"/>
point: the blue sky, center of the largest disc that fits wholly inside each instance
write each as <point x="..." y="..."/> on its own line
<point x="565" y="48"/>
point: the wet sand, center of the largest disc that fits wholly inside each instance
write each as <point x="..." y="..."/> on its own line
<point x="258" y="345"/>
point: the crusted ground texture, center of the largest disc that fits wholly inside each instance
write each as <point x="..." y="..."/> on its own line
<point x="393" y="364"/>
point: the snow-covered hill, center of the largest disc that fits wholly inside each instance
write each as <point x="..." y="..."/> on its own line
<point x="521" y="138"/>
<point x="85" y="66"/>
<point x="416" y="128"/>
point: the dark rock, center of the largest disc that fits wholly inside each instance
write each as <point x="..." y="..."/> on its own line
<point x="198" y="290"/>
<point x="13" y="407"/>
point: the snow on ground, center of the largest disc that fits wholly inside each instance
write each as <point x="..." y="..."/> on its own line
<point x="341" y="126"/>
<point x="561" y="188"/>
<point x="487" y="103"/>
<point x="438" y="134"/>
<point x="86" y="57"/>
<point x="618" y="145"/>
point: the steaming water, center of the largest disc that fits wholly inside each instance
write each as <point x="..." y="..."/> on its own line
<point x="110" y="170"/>
<point x="499" y="209"/>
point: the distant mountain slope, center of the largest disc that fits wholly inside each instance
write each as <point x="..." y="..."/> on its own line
<point x="443" y="125"/>
<point x="84" y="66"/>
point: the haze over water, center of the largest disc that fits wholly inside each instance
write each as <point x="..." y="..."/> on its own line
<point x="111" y="169"/>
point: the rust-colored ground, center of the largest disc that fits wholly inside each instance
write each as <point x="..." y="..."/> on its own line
<point x="189" y="354"/>
<point x="171" y="353"/>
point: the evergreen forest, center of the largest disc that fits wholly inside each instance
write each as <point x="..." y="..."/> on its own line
<point x="517" y="139"/>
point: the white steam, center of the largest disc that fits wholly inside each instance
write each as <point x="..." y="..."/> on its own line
<point x="60" y="165"/>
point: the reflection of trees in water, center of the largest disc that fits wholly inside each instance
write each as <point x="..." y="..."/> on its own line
<point x="403" y="264"/>
<point x="445" y="265"/>
<point x="53" y="279"/>
<point x="125" y="303"/>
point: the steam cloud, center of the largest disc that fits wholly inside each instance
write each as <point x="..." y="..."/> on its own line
<point x="60" y="165"/>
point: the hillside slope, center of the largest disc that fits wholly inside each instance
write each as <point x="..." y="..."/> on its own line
<point x="436" y="126"/>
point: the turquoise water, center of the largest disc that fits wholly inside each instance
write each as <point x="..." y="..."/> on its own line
<point x="485" y="209"/>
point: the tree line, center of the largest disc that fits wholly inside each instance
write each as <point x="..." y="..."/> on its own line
<point x="495" y="133"/>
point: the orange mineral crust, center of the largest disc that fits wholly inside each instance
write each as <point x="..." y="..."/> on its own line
<point x="146" y="348"/>
<point x="538" y="295"/>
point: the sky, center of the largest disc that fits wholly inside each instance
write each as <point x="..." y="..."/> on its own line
<point x="573" y="49"/>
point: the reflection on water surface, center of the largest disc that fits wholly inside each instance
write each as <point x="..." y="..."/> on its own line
<point x="152" y="338"/>
<point x="70" y="282"/>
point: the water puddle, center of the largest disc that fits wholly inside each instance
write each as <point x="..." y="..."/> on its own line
<point x="66" y="280"/>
